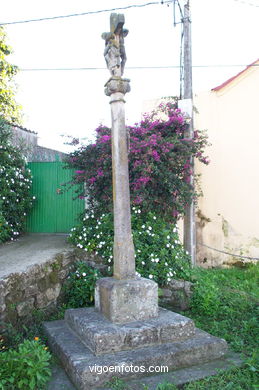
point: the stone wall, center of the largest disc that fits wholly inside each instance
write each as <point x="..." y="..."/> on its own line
<point x="42" y="154"/>
<point x="38" y="287"/>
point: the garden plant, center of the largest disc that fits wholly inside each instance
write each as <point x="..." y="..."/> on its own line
<point x="15" y="186"/>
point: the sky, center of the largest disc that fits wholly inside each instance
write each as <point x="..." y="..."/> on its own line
<point x="72" y="102"/>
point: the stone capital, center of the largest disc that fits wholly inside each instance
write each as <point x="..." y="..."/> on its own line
<point x="117" y="84"/>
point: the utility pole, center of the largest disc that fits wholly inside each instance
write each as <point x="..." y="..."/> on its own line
<point x="189" y="219"/>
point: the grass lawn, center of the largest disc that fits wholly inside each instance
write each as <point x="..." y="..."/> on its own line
<point x="225" y="304"/>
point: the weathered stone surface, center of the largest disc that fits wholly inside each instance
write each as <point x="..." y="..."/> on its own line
<point x="24" y="308"/>
<point x="123" y="301"/>
<point x="101" y="336"/>
<point x="177" y="294"/>
<point x="185" y="375"/>
<point x="32" y="270"/>
<point x="60" y="381"/>
<point x="117" y="84"/>
<point x="79" y="361"/>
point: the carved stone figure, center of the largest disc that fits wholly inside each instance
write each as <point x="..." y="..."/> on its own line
<point x="114" y="52"/>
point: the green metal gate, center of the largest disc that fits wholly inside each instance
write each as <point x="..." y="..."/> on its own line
<point x="53" y="211"/>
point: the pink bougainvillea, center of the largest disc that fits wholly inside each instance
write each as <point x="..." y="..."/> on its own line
<point x="159" y="163"/>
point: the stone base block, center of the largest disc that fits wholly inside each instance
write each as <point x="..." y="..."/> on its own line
<point x="89" y="372"/>
<point x="101" y="336"/>
<point x="123" y="301"/>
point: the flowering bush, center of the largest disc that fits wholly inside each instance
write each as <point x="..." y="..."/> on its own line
<point x="159" y="164"/>
<point x="159" y="253"/>
<point x="15" y="186"/>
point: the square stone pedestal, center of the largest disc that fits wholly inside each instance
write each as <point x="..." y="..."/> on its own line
<point x="123" y="301"/>
<point x="93" y="350"/>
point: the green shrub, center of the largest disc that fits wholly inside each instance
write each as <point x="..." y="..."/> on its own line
<point x="79" y="286"/>
<point x="159" y="253"/>
<point x="26" y="368"/>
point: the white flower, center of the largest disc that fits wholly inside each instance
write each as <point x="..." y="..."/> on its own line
<point x="153" y="260"/>
<point x="109" y="260"/>
<point x="168" y="237"/>
<point x="97" y="236"/>
<point x="138" y="250"/>
<point x="175" y="230"/>
<point x="154" y="217"/>
<point x="143" y="263"/>
<point x="187" y="252"/>
<point x="152" y="254"/>
<point x="84" y="274"/>
<point x="139" y="211"/>
<point x="168" y="245"/>
<point x="169" y="279"/>
<point x="149" y="228"/>
<point x="150" y="276"/>
<point x="143" y="226"/>
<point x="157" y="260"/>
<point x="166" y="264"/>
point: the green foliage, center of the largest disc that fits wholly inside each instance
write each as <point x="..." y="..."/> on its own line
<point x="234" y="305"/>
<point x="15" y="186"/>
<point x="79" y="286"/>
<point x="9" y="109"/>
<point x="166" y="386"/>
<point x="26" y="368"/>
<point x="159" y="253"/>
<point x="235" y="379"/>
<point x="117" y="384"/>
<point x="159" y="164"/>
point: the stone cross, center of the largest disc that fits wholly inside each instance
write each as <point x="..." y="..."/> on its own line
<point x="116" y="87"/>
<point x="125" y="297"/>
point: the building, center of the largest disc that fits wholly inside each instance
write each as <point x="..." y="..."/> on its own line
<point x="28" y="140"/>
<point x="228" y="212"/>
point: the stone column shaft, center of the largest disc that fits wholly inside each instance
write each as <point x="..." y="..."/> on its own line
<point x="124" y="258"/>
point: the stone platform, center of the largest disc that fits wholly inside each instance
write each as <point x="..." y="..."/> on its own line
<point x="93" y="350"/>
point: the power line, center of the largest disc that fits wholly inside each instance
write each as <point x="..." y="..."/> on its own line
<point x="131" y="67"/>
<point x="247" y="3"/>
<point x="87" y="13"/>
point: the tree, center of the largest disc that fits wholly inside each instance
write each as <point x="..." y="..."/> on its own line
<point x="10" y="110"/>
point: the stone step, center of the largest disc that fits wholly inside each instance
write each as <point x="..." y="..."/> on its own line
<point x="102" y="336"/>
<point x="88" y="371"/>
